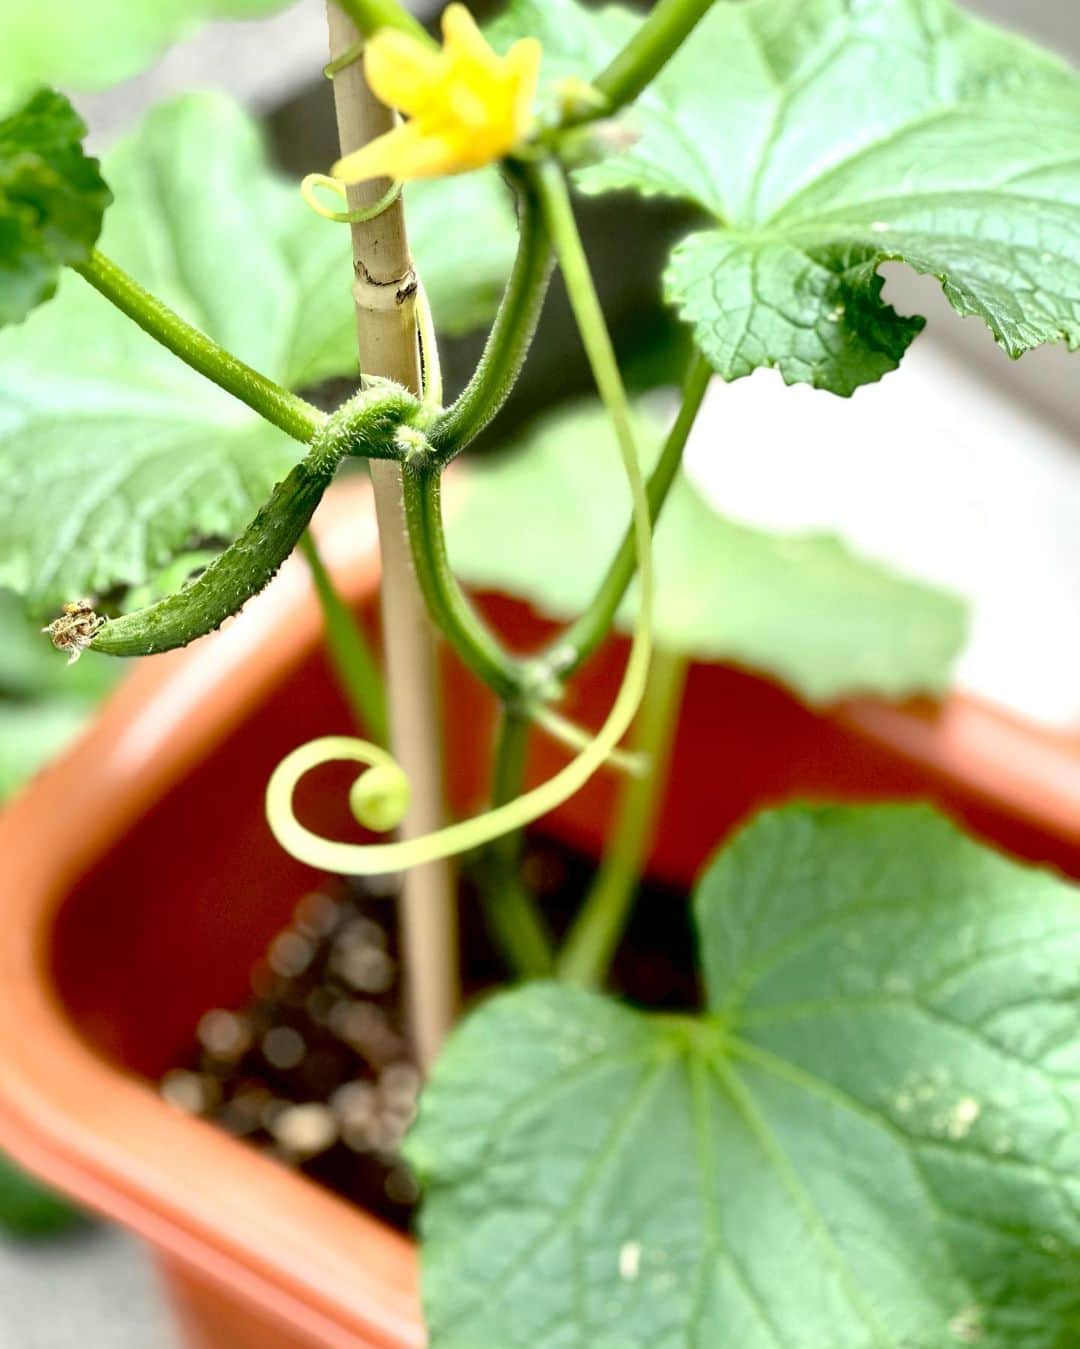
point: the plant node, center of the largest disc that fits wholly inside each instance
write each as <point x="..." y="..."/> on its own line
<point x="368" y="424"/>
<point x="414" y="448"/>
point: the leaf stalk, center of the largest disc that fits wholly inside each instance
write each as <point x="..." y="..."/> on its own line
<point x="294" y="416"/>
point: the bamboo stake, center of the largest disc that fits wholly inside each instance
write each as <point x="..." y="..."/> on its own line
<point x="385" y="296"/>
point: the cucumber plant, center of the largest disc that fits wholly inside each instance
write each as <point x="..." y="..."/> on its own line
<point x="869" y="1136"/>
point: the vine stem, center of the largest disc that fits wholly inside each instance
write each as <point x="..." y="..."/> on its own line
<point x="293" y="415"/>
<point x="479" y="648"/>
<point x="357" y="669"/>
<point x="585" y="303"/>
<point x="591" y="943"/>
<point x="574" y="646"/>
<point x="495" y="375"/>
<point x="667" y="26"/>
<point x="384" y="292"/>
<point x="508" y="676"/>
<point x="511" y="334"/>
<point x="367" y="859"/>
<point x="511" y="911"/>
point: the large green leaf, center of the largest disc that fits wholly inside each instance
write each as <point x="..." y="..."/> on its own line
<point x="115" y="457"/>
<point x="90" y="46"/>
<point x="52" y="198"/>
<point x="32" y="733"/>
<point x="27" y="1209"/>
<point x="870" y="1141"/>
<point x="825" y="137"/>
<point x="544" y="520"/>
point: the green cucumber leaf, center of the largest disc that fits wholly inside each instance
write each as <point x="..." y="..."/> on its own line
<point x="90" y="46"/>
<point x="32" y="733"/>
<point x="27" y="1208"/>
<point x="543" y="521"/>
<point x="825" y="137"/>
<point x="52" y="199"/>
<point x="871" y="1139"/>
<point x="116" y="458"/>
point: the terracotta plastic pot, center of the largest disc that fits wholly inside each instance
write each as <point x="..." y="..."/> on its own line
<point x="140" y="882"/>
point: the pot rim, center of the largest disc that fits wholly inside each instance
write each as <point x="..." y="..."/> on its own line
<point x="317" y="1264"/>
<point x="312" y="1261"/>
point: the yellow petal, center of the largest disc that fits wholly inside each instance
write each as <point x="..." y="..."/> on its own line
<point x="404" y="153"/>
<point x="380" y="158"/>
<point x="467" y="106"/>
<point x="523" y="61"/>
<point x="470" y="107"/>
<point x="401" y="70"/>
<point x="464" y="40"/>
<point x="435" y="157"/>
<point x="524" y="58"/>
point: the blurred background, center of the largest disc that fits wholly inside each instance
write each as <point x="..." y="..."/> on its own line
<point x="973" y="482"/>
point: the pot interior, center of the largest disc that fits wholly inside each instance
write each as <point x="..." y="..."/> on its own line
<point x="170" y="922"/>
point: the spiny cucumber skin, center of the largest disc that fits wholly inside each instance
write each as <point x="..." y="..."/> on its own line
<point x="241" y="571"/>
<point x="249" y="564"/>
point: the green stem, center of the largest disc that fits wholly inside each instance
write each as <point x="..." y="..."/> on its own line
<point x="589" y="315"/>
<point x="371" y="858"/>
<point x="510" y="337"/>
<point x="371" y="15"/>
<point x="357" y="669"/>
<point x="592" y="940"/>
<point x="573" y="647"/>
<point x="585" y="303"/>
<point x="660" y="36"/>
<point x="293" y="415"/>
<point x="511" y="910"/>
<point x="447" y="603"/>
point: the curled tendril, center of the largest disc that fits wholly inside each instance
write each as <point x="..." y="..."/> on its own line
<point x="569" y="733"/>
<point x="371" y="859"/>
<point x="379" y="798"/>
<point x="359" y="214"/>
<point x="429" y="351"/>
<point x="347" y="58"/>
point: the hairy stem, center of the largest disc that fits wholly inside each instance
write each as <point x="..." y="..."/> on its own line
<point x="384" y="292"/>
<point x="511" y="911"/>
<point x="662" y="33"/>
<point x="573" y="647"/>
<point x="530" y="805"/>
<point x="510" y="337"/>
<point x="447" y="603"/>
<point x="293" y="415"/>
<point x="354" y="662"/>
<point x="592" y="940"/>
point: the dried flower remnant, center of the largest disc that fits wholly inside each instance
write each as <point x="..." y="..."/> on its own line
<point x="75" y="629"/>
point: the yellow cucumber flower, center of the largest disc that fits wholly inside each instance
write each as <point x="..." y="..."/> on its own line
<point x="466" y="105"/>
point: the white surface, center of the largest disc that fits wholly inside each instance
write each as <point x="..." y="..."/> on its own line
<point x="934" y="469"/>
<point x="93" y="1288"/>
<point x="262" y="62"/>
<point x="942" y="473"/>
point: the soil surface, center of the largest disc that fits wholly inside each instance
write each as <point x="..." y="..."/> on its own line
<point x="315" y="1069"/>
